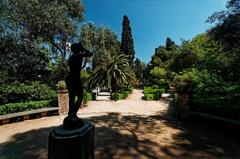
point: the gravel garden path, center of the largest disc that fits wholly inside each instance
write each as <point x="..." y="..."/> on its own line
<point x="125" y="129"/>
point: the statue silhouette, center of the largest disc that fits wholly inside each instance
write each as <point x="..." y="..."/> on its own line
<point x="74" y="85"/>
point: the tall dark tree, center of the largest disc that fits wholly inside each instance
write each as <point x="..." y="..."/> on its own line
<point x="127" y="43"/>
<point x="169" y="44"/>
<point x="227" y="30"/>
<point x="139" y="68"/>
<point x="22" y="62"/>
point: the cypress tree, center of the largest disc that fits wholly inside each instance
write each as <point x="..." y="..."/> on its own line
<point x="127" y="44"/>
<point x="169" y="43"/>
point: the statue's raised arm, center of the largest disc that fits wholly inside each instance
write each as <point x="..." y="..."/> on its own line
<point x="85" y="52"/>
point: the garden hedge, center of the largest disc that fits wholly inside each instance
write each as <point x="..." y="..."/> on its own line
<point x="153" y="93"/>
<point x="24" y="106"/>
<point x="21" y="92"/>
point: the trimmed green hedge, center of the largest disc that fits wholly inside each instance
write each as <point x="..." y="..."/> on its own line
<point x="24" y="106"/>
<point x="148" y="96"/>
<point x="118" y="96"/>
<point x="121" y="94"/>
<point x="87" y="97"/>
<point x="218" y="106"/>
<point x="153" y="93"/>
<point x="22" y="92"/>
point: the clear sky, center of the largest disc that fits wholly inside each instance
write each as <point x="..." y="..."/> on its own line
<point x="153" y="20"/>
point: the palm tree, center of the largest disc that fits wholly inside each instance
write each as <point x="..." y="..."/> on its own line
<point x="113" y="71"/>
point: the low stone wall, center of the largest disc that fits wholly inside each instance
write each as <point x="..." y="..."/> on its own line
<point x="63" y="102"/>
<point x="183" y="107"/>
<point x="27" y="115"/>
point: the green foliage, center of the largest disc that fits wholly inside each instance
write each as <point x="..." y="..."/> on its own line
<point x="58" y="71"/>
<point x="185" y="60"/>
<point x="113" y="72"/>
<point x="116" y="96"/>
<point x="153" y="93"/>
<point x="159" y="68"/>
<point x="122" y="93"/>
<point x="125" y="94"/>
<point x="61" y="85"/>
<point x="87" y="96"/>
<point x="148" y="97"/>
<point x="206" y="66"/>
<point x="139" y="68"/>
<point x="128" y="89"/>
<point x="21" y="92"/>
<point x="169" y="43"/>
<point x="127" y="43"/>
<point x="24" y="106"/>
<point x="226" y="29"/>
<point x="160" y="77"/>
<point x="99" y="40"/>
<point x="158" y="72"/>
<point x="209" y="93"/>
<point x="175" y="104"/>
<point x="33" y="39"/>
<point x="85" y="79"/>
<point x="226" y="33"/>
<point x="160" y="56"/>
<point x="22" y="62"/>
<point x="37" y="20"/>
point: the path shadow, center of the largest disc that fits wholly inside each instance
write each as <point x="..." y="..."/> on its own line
<point x="134" y="136"/>
<point x="159" y="137"/>
<point x="29" y="145"/>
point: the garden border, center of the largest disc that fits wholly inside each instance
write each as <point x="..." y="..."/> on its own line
<point x="26" y="115"/>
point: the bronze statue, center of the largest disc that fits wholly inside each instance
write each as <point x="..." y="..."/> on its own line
<point x="74" y="85"/>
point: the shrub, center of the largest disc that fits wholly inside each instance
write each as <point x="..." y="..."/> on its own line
<point x="210" y="94"/>
<point x="61" y="85"/>
<point x="87" y="97"/>
<point x="125" y="94"/>
<point x="153" y="93"/>
<point x="122" y="93"/>
<point x="129" y="89"/>
<point x="117" y="96"/>
<point x="148" y="96"/>
<point x="21" y="92"/>
<point x="24" y="106"/>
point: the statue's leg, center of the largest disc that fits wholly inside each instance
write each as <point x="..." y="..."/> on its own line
<point x="79" y="99"/>
<point x="71" y="111"/>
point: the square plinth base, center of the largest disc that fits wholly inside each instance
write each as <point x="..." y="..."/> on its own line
<point x="72" y="144"/>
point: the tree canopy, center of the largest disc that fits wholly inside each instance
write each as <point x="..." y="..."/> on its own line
<point x="52" y="22"/>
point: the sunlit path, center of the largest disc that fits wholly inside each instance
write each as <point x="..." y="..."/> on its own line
<point x="132" y="105"/>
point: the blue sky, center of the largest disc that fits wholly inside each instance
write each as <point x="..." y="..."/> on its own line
<point x="153" y="20"/>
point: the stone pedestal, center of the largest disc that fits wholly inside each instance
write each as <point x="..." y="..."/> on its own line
<point x="63" y="102"/>
<point x="72" y="144"/>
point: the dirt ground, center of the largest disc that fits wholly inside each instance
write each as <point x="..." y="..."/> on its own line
<point x="126" y="129"/>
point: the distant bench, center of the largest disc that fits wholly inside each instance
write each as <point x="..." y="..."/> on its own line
<point x="26" y="115"/>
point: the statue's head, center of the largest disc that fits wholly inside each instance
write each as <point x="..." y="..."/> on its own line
<point x="75" y="48"/>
